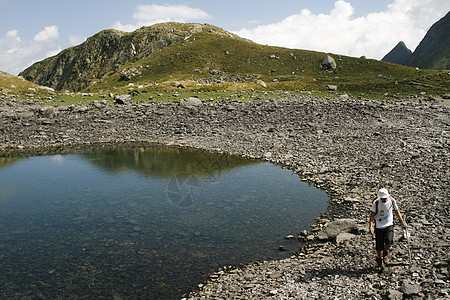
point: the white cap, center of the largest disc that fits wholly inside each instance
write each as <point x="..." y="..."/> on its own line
<point x="383" y="193"/>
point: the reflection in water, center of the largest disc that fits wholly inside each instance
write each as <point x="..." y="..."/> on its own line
<point x="166" y="162"/>
<point x="141" y="223"/>
<point x="187" y="169"/>
<point x="8" y="161"/>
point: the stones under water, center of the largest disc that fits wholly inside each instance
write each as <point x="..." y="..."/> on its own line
<point x="141" y="222"/>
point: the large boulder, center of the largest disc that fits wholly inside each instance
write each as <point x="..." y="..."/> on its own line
<point x="122" y="99"/>
<point x="344" y="236"/>
<point x="191" y="102"/>
<point x="333" y="229"/>
<point x="329" y="64"/>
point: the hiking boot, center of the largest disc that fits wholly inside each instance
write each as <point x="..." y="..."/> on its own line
<point x="379" y="262"/>
<point x="386" y="257"/>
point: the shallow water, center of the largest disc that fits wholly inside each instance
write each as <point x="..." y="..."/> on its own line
<point x="135" y="223"/>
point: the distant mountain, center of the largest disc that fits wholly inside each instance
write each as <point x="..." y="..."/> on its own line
<point x="433" y="51"/>
<point x="399" y="55"/>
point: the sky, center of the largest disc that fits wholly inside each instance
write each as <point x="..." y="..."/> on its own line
<point x="32" y="30"/>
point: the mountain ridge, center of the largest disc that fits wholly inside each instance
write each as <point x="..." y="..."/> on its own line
<point x="433" y="52"/>
<point x="203" y="57"/>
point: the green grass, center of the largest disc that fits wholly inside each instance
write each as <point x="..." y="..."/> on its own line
<point x="145" y="97"/>
<point x="15" y="85"/>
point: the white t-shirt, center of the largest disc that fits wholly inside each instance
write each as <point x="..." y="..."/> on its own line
<point x="385" y="215"/>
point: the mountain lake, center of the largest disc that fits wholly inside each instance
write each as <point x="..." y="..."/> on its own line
<point x="142" y="222"/>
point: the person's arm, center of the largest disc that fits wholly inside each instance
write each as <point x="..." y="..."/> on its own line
<point x="371" y="217"/>
<point x="399" y="216"/>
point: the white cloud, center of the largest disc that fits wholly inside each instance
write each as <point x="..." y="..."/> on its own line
<point x="373" y="35"/>
<point x="16" y="54"/>
<point x="49" y="33"/>
<point x="146" y="15"/>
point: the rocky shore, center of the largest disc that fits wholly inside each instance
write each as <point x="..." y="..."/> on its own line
<point x="347" y="147"/>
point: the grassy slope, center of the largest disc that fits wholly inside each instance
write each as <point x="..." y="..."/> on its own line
<point x="16" y="85"/>
<point x="295" y="69"/>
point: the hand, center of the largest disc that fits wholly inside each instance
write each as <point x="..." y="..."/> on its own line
<point x="404" y="225"/>
<point x="371" y="230"/>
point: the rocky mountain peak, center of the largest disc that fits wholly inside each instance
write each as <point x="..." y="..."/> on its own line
<point x="77" y="67"/>
<point x="400" y="54"/>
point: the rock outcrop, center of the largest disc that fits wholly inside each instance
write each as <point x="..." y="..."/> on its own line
<point x="77" y="67"/>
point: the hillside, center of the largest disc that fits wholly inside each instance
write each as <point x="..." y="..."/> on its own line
<point x="17" y="85"/>
<point x="206" y="58"/>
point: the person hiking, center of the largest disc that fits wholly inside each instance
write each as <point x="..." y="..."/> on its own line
<point x="382" y="214"/>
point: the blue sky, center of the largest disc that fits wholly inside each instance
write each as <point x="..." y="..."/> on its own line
<point x="31" y="30"/>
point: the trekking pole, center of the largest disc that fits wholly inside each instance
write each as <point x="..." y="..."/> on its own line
<point x="406" y="234"/>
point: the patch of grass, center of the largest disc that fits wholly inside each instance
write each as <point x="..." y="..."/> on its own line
<point x="76" y="98"/>
<point x="15" y="85"/>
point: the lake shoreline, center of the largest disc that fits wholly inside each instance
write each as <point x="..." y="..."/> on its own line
<point x="347" y="147"/>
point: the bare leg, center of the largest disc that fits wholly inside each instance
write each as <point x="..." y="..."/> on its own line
<point x="379" y="259"/>
<point x="386" y="254"/>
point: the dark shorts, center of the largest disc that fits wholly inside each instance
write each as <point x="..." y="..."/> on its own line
<point x="383" y="237"/>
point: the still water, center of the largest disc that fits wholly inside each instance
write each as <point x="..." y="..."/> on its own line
<point x="141" y="223"/>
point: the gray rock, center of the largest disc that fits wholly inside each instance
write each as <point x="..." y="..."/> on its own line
<point x="351" y="200"/>
<point x="333" y="229"/>
<point x="98" y="104"/>
<point x="410" y="289"/>
<point x="344" y="236"/>
<point x="47" y="122"/>
<point x="196" y="28"/>
<point x="260" y="82"/>
<point x="329" y="64"/>
<point x="331" y="87"/>
<point x="179" y="85"/>
<point x="122" y="99"/>
<point x="48" y="112"/>
<point x="395" y="295"/>
<point x="192" y="101"/>
<point x="268" y="155"/>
